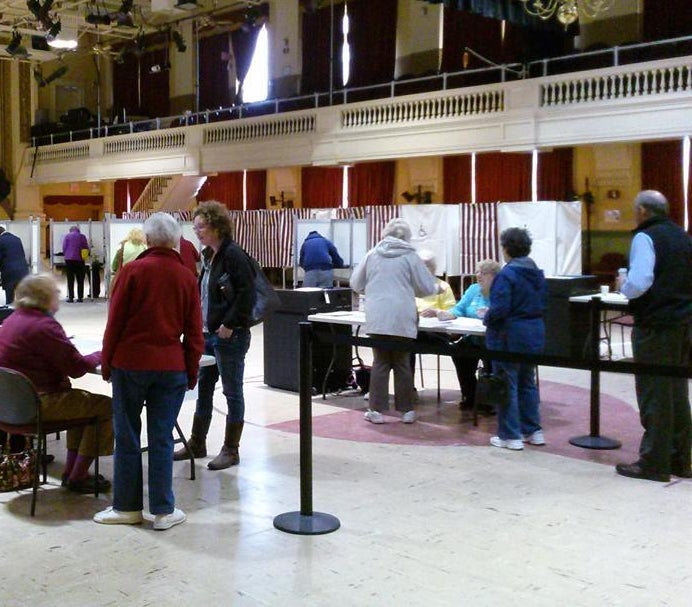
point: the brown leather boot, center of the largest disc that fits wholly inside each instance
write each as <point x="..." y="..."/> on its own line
<point x="228" y="456"/>
<point x="197" y="440"/>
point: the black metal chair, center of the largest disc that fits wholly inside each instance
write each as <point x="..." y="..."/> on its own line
<point x="20" y="413"/>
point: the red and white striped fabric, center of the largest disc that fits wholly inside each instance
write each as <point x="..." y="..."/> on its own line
<point x="379" y="216"/>
<point x="477" y="234"/>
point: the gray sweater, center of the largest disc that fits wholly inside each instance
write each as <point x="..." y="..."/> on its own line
<point x="391" y="276"/>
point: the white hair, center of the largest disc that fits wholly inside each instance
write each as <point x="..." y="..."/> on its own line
<point x="398" y="228"/>
<point x="162" y="230"/>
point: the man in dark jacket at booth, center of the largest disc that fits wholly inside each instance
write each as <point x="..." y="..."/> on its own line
<point x="319" y="257"/>
<point x="13" y="266"/>
<point x="659" y="287"/>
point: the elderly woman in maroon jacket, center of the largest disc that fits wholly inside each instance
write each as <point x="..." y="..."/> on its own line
<point x="34" y="343"/>
<point x="151" y="350"/>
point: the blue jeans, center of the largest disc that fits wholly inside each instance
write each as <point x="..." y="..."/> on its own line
<point x="230" y="366"/>
<point x="163" y="392"/>
<point x="520" y="417"/>
<point x="319" y="278"/>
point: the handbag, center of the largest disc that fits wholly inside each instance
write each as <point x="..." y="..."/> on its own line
<point x="492" y="390"/>
<point x="17" y="469"/>
<point x="266" y="299"/>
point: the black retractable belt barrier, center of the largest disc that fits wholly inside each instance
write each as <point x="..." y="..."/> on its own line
<point x="306" y="522"/>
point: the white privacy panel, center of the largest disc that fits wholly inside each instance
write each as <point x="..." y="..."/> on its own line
<point x="93" y="230"/>
<point x="555" y="229"/>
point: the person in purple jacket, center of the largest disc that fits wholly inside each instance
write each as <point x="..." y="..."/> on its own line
<point x="73" y="244"/>
<point x="34" y="343"/>
<point x="514" y="323"/>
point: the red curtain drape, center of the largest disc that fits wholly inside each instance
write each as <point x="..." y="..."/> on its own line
<point x="456" y="172"/>
<point x="662" y="171"/>
<point x="120" y="197"/>
<point x="256" y="183"/>
<point x="372" y="40"/>
<point x="321" y="187"/>
<point x="215" y="86"/>
<point x="226" y="188"/>
<point x="371" y="183"/>
<point x="503" y="177"/>
<point x="121" y="187"/>
<point x="317" y="40"/>
<point x="667" y="19"/>
<point x="133" y="76"/>
<point x="556" y="174"/>
<point x="479" y="33"/>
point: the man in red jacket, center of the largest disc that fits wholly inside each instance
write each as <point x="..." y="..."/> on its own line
<point x="151" y="350"/>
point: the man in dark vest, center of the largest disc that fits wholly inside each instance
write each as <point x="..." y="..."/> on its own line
<point x="13" y="266"/>
<point x="659" y="287"/>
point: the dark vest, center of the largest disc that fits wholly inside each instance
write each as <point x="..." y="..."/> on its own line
<point x="669" y="299"/>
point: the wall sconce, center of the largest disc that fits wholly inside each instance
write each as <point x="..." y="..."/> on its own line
<point x="419" y="196"/>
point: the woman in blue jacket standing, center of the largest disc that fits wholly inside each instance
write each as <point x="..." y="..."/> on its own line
<point x="514" y="323"/>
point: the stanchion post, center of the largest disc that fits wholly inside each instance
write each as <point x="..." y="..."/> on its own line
<point x="306" y="522"/>
<point x="594" y="440"/>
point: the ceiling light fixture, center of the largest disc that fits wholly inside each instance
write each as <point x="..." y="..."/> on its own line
<point x="566" y="11"/>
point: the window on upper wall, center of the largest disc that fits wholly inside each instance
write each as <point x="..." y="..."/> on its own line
<point x="345" y="49"/>
<point x="256" y="85"/>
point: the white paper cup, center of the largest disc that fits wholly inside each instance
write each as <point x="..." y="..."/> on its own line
<point x="605" y="289"/>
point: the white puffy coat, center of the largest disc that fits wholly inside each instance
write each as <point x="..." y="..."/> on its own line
<point x="391" y="276"/>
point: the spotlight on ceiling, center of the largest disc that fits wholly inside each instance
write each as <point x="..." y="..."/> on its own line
<point x="53" y="31"/>
<point x="58" y="73"/>
<point x="15" y="47"/>
<point x="98" y="18"/>
<point x="179" y="41"/>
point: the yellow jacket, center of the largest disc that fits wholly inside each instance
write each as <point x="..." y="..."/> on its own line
<point x="442" y="301"/>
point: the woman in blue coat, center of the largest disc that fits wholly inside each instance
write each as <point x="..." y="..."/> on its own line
<point x="514" y="323"/>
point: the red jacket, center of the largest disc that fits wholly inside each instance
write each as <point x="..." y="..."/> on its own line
<point x="190" y="255"/>
<point x="155" y="302"/>
<point x="33" y="342"/>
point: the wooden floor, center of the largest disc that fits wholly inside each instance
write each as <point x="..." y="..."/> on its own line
<point x="423" y="523"/>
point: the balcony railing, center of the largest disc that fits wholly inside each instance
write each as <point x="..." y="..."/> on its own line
<point x="588" y="60"/>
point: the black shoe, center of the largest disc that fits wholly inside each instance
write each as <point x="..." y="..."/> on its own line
<point x="80" y="301"/>
<point x="69" y="300"/>
<point x="683" y="472"/>
<point x="88" y="485"/>
<point x="636" y="470"/>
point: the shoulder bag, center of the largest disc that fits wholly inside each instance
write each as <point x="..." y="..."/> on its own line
<point x="17" y="469"/>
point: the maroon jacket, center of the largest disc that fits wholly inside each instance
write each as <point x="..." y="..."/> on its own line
<point x="190" y="255"/>
<point x="33" y="342"/>
<point x="155" y="302"/>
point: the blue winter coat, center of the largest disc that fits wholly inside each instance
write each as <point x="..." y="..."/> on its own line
<point x="514" y="320"/>
<point x="318" y="253"/>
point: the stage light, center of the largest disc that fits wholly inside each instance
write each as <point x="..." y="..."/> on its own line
<point x="179" y="41"/>
<point x="15" y="47"/>
<point x="98" y="19"/>
<point x="53" y="31"/>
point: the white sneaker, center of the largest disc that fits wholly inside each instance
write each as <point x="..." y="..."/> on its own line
<point x="409" y="417"/>
<point x="111" y="516"/>
<point x="515" y="444"/>
<point x="374" y="417"/>
<point x="536" y="438"/>
<point x="166" y="521"/>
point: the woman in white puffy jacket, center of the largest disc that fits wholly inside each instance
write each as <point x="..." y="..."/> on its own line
<point x="391" y="276"/>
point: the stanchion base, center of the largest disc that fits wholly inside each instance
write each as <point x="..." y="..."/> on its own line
<point x="595" y="442"/>
<point x="318" y="523"/>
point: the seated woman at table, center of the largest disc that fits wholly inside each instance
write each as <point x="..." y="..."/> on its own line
<point x="34" y="343"/>
<point x="514" y="323"/>
<point x="151" y="350"/>
<point x="430" y="305"/>
<point x="391" y="276"/>
<point x="473" y="304"/>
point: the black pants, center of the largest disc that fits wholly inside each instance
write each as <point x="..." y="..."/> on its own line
<point x="75" y="270"/>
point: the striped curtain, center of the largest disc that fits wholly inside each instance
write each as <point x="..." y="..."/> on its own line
<point x="478" y="235"/>
<point x="379" y="217"/>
